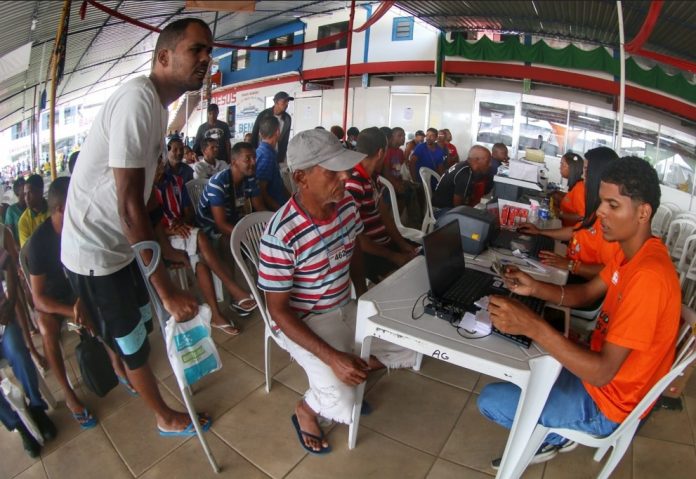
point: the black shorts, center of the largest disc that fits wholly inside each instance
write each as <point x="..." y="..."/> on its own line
<point x="114" y="303"/>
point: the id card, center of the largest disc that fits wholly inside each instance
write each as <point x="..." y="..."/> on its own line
<point x="338" y="255"/>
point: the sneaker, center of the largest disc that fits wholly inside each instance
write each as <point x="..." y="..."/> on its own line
<point x="44" y="423"/>
<point x="567" y="446"/>
<point x="31" y="446"/>
<point x="545" y="453"/>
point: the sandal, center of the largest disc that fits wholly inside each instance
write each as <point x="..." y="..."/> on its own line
<point x="244" y="310"/>
<point x="227" y="329"/>
<point x="85" y="419"/>
<point x="203" y="419"/>
<point x="300" y="433"/>
<point x="131" y="390"/>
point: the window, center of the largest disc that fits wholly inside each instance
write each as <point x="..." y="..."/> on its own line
<point x="240" y="60"/>
<point x="278" y="55"/>
<point x="402" y="29"/>
<point x="330" y="30"/>
<point x="495" y="123"/>
<point x="543" y="127"/>
<point x="70" y="114"/>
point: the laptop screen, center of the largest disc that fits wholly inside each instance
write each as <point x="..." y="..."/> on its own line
<point x="444" y="257"/>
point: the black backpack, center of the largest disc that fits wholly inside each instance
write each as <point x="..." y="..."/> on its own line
<point x="95" y="366"/>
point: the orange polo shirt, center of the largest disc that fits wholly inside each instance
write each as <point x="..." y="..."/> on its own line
<point x="574" y="202"/>
<point x="640" y="312"/>
<point x="588" y="245"/>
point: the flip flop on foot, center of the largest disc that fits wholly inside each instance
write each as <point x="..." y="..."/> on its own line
<point x="301" y="434"/>
<point x="131" y="390"/>
<point x="203" y="419"/>
<point x="244" y="306"/>
<point x="228" y="329"/>
<point x="85" y="419"/>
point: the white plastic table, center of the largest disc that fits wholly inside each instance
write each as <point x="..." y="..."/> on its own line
<point x="385" y="312"/>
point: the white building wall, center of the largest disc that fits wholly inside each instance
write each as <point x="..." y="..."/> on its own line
<point x="313" y="59"/>
<point x="383" y="49"/>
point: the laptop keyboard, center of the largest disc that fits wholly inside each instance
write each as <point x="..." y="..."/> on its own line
<point x="536" y="305"/>
<point x="469" y="288"/>
<point x="541" y="243"/>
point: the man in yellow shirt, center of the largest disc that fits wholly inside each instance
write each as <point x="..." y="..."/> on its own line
<point x="37" y="208"/>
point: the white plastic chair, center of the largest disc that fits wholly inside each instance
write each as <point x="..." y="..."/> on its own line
<point x="408" y="233"/>
<point x="621" y="438"/>
<point x="687" y="278"/>
<point x="661" y="220"/>
<point x="162" y="316"/>
<point x="679" y="231"/>
<point x="195" y="188"/>
<point x="244" y="243"/>
<point x="429" y="220"/>
<point x="684" y="215"/>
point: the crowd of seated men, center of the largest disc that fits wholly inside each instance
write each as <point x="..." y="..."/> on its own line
<point x="339" y="205"/>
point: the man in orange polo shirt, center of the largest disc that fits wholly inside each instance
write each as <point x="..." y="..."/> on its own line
<point x="633" y="344"/>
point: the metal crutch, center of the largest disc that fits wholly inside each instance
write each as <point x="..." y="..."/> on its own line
<point x="162" y="315"/>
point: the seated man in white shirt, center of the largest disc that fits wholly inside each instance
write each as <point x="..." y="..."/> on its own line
<point x="210" y="165"/>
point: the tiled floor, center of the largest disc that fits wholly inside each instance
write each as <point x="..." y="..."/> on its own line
<point x="423" y="425"/>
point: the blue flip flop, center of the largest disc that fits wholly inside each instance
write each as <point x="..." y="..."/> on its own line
<point x="365" y="409"/>
<point x="189" y="430"/>
<point x="131" y="390"/>
<point x="85" y="419"/>
<point x="300" y="433"/>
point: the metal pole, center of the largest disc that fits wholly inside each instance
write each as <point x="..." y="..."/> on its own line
<point x="622" y="84"/>
<point x="186" y="119"/>
<point x="54" y="86"/>
<point x="349" y="48"/>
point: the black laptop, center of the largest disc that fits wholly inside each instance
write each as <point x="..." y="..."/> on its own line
<point x="451" y="284"/>
<point x="453" y="288"/>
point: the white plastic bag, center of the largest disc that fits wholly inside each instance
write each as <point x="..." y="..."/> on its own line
<point x="17" y="401"/>
<point x="190" y="347"/>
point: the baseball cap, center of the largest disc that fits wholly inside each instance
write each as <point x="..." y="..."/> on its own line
<point x="320" y="147"/>
<point x="281" y="95"/>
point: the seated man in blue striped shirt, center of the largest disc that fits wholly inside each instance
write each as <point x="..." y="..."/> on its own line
<point x="309" y="254"/>
<point x="227" y="193"/>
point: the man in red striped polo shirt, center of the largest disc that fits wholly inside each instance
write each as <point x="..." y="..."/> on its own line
<point x="384" y="248"/>
<point x="308" y="256"/>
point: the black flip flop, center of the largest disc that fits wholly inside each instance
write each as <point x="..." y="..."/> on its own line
<point x="301" y="433"/>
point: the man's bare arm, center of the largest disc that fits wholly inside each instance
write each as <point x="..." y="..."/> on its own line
<point x="348" y="368"/>
<point x="130" y="185"/>
<point x="223" y="226"/>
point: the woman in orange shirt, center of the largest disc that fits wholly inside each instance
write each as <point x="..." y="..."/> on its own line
<point x="571" y="206"/>
<point x="588" y="252"/>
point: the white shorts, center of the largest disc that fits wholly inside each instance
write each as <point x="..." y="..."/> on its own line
<point x="328" y="396"/>
<point x="190" y="245"/>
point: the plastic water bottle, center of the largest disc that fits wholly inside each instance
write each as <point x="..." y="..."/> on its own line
<point x="544" y="214"/>
<point x="533" y="215"/>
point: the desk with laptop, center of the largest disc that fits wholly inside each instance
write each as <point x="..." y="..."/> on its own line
<point x="447" y="287"/>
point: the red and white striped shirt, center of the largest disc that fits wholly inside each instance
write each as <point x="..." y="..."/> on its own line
<point x="367" y="197"/>
<point x="310" y="258"/>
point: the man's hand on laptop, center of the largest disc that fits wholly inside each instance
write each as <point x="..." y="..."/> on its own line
<point x="518" y="282"/>
<point x="510" y="316"/>
<point x="528" y="228"/>
<point x="349" y="368"/>
<point x="552" y="259"/>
